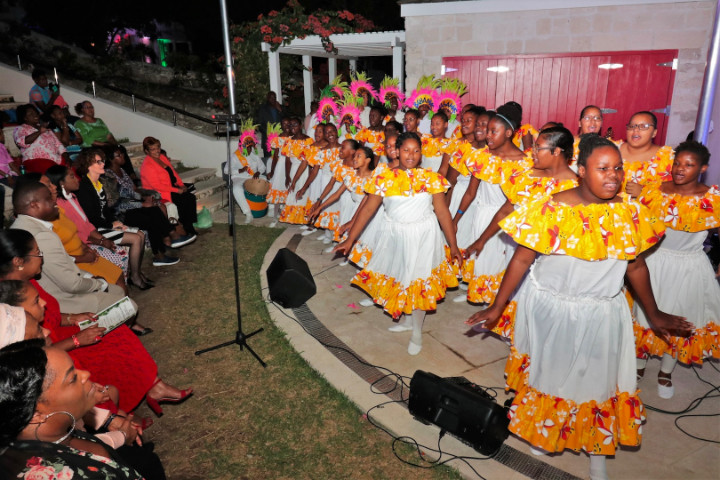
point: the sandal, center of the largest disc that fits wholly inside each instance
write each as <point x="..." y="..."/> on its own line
<point x="666" y="389"/>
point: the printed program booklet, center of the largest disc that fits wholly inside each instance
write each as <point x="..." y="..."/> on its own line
<point x="112" y="317"/>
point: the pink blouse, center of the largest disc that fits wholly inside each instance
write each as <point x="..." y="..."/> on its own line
<point x="74" y="212"/>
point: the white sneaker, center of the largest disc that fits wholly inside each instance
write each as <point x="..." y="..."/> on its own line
<point x="327" y="241"/>
<point x="248" y="218"/>
<point x="666" y="392"/>
<point x="366" y="302"/>
<point x="460" y="298"/>
<point x="329" y="249"/>
<point x="303" y="227"/>
<point x="399" y="327"/>
<point x="272" y="224"/>
<point x="309" y="231"/>
<point x="342" y="264"/>
<point x="414" y="348"/>
<point x="463" y="287"/>
<point x="322" y="236"/>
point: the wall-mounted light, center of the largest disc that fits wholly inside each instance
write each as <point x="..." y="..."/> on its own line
<point x="444" y="70"/>
<point x="498" y="69"/>
<point x="610" y="66"/>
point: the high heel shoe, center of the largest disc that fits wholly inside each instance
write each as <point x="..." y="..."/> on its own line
<point x="142" y="286"/>
<point x="154" y="403"/>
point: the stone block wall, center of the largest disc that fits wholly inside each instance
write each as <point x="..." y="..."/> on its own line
<point x="686" y="26"/>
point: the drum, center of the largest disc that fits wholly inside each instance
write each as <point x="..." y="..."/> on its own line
<point x="256" y="190"/>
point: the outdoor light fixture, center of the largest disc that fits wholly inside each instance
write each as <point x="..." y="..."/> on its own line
<point x="498" y="69"/>
<point x="610" y="66"/>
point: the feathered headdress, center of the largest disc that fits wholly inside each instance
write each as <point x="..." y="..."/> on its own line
<point x="248" y="132"/>
<point x="273" y="133"/>
<point x="389" y="88"/>
<point x="451" y="89"/>
<point x="350" y="109"/>
<point x="424" y="93"/>
<point x="339" y="88"/>
<point x="360" y="82"/>
<point x="327" y="107"/>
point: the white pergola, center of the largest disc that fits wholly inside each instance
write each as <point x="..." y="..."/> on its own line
<point x="350" y="46"/>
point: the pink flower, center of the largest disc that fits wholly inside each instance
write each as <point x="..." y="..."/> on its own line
<point x="273" y="13"/>
<point x="65" y="474"/>
<point x="267" y="38"/>
<point x="39" y="472"/>
<point x="325" y="19"/>
<point x="265" y="29"/>
<point x="277" y="40"/>
<point x="284" y="28"/>
<point x="237" y="40"/>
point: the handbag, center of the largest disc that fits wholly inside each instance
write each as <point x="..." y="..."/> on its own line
<point x="204" y="219"/>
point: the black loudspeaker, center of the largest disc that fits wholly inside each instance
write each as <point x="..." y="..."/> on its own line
<point x="461" y="408"/>
<point x="289" y="279"/>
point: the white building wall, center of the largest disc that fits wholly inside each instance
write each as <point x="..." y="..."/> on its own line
<point x="686" y="26"/>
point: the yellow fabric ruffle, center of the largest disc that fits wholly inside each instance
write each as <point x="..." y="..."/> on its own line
<point x="285" y="143"/>
<point x="620" y="230"/>
<point x="457" y="159"/>
<point x="555" y="424"/>
<point x="296" y="148"/>
<point x="394" y="182"/>
<point x="682" y="212"/>
<point x="276" y="196"/>
<point x="521" y="132"/>
<point x="373" y="139"/>
<point x="360" y="254"/>
<point x="483" y="288"/>
<point x="703" y="343"/>
<point x="506" y="325"/>
<point x="519" y="185"/>
<point x="295" y="214"/>
<point x="489" y="168"/>
<point x="341" y="171"/>
<point x="654" y="171"/>
<point x="432" y="147"/>
<point x="421" y="294"/>
<point x="328" y="220"/>
<point x="311" y="154"/>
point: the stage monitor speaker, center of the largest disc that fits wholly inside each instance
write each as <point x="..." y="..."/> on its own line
<point x="289" y="279"/>
<point x="461" y="408"/>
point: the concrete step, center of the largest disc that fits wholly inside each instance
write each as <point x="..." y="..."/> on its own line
<point x="134" y="148"/>
<point x="198" y="175"/>
<point x="137" y="161"/>
<point x="6" y="98"/>
<point x="209" y="187"/>
<point x="213" y="203"/>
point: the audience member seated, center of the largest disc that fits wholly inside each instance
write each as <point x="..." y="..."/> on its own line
<point x="157" y="173"/>
<point x="93" y="198"/>
<point x="66" y="182"/>
<point x="93" y="130"/>
<point x="85" y="258"/>
<point x="8" y="168"/>
<point x="116" y="358"/>
<point x="44" y="396"/>
<point x="42" y="95"/>
<point x="36" y="141"/>
<point x="65" y="131"/>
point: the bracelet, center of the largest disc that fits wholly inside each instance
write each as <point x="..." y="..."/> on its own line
<point x="460" y="211"/>
<point x="76" y="341"/>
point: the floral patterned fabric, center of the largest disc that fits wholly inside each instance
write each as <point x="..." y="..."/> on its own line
<point x="520" y="185"/>
<point x="654" y="171"/>
<point x="682" y="212"/>
<point x="372" y="139"/>
<point x="33" y="460"/>
<point x="521" y="132"/>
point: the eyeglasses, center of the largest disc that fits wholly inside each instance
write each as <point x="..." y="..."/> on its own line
<point x="639" y="126"/>
<point x="99" y="161"/>
<point x="536" y="149"/>
<point x="38" y="255"/>
<point x="588" y="118"/>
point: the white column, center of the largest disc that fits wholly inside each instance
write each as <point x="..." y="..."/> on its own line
<point x="353" y="65"/>
<point x="332" y="68"/>
<point x="399" y="62"/>
<point x="307" y="82"/>
<point x="274" y="70"/>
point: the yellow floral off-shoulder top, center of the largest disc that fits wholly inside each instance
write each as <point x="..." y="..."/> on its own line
<point x="374" y="139"/>
<point x="355" y="183"/>
<point x="620" y="230"/>
<point x="330" y="156"/>
<point x="432" y="147"/>
<point x="654" y="171"/>
<point x="519" y="185"/>
<point x="285" y="143"/>
<point x="457" y="160"/>
<point x="312" y="154"/>
<point x="687" y="213"/>
<point x="296" y="148"/>
<point x="521" y="132"/>
<point x="489" y="168"/>
<point x="397" y="182"/>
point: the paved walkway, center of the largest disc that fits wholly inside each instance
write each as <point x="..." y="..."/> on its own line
<point x="451" y="349"/>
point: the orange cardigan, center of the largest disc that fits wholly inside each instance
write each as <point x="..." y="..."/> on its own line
<point x="155" y="177"/>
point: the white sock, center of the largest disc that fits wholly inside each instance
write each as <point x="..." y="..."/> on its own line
<point x="418" y="318"/>
<point x="667" y="364"/>
<point x="598" y="467"/>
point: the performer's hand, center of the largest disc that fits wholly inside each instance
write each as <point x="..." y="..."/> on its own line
<point x="456" y="256"/>
<point x="665" y="324"/>
<point x="344" y="247"/>
<point x="488" y="317"/>
<point x="475" y="248"/>
<point x="633" y="189"/>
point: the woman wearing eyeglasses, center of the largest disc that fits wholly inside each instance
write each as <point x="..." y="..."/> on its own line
<point x="645" y="163"/>
<point x="591" y="121"/>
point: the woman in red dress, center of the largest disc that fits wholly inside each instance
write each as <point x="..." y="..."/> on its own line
<point x="118" y="358"/>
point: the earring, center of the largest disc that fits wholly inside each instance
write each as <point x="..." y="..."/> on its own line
<point x="64" y="437"/>
<point x="21" y="267"/>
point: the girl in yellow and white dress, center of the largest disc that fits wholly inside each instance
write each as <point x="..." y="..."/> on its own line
<point x="296" y="173"/>
<point x="435" y="145"/>
<point x="410" y="269"/>
<point x="572" y="361"/>
<point x="278" y="189"/>
<point x="482" y="200"/>
<point x="549" y="173"/>
<point x="329" y="161"/>
<point x="646" y="164"/>
<point x="680" y="272"/>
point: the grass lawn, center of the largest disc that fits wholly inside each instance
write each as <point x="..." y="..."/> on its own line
<point x="246" y="422"/>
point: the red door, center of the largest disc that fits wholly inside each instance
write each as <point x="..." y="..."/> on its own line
<point x="555" y="87"/>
